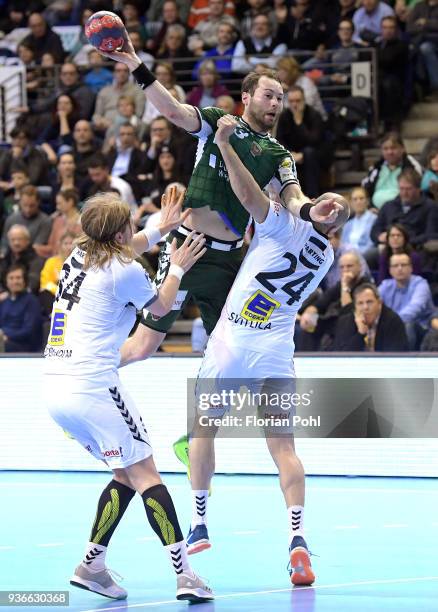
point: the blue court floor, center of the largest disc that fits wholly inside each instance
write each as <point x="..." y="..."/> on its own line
<point x="376" y="541"/>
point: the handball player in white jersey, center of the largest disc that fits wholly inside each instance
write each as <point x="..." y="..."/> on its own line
<point x="253" y="339"/>
<point x="101" y="287"/>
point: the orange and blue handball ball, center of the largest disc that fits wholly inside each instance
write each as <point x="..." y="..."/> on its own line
<point x="105" y="31"/>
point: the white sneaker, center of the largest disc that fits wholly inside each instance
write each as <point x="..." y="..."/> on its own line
<point x="99" y="582"/>
<point x="192" y="588"/>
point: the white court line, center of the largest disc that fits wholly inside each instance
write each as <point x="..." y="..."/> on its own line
<point x="218" y="487"/>
<point x="252" y="593"/>
<point x="347" y="527"/>
<point x="50" y="544"/>
<point x="396" y="526"/>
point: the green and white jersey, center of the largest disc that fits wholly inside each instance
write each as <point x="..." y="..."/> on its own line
<point x="286" y="261"/>
<point x="267" y="160"/>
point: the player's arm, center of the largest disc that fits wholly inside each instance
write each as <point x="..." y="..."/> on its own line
<point x="242" y="182"/>
<point x="171" y="218"/>
<point x="182" y="115"/>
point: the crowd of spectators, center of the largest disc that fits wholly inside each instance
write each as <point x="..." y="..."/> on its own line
<point x="87" y="128"/>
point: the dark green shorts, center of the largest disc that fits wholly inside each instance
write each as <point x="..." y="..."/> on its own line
<point x="208" y="283"/>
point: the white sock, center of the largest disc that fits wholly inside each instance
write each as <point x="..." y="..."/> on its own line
<point x="199" y="507"/>
<point x="296" y="522"/>
<point x="94" y="558"/>
<point x="178" y="558"/>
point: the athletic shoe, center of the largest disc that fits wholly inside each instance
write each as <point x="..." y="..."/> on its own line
<point x="192" y="588"/>
<point x="99" y="582"/>
<point x="181" y="450"/>
<point x="300" y="569"/>
<point x="197" y="540"/>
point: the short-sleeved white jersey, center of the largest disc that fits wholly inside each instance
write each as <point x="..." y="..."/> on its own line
<point x="285" y="263"/>
<point x="93" y="313"/>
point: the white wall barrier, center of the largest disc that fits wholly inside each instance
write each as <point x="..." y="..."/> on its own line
<point x="29" y="440"/>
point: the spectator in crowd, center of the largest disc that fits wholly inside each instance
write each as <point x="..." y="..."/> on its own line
<point x="131" y="18"/>
<point x="381" y="182"/>
<point x="138" y="44"/>
<point x="397" y="241"/>
<point x="51" y="270"/>
<point x="65" y="219"/>
<point x="10" y="193"/>
<point x="252" y="49"/>
<point x="66" y="173"/>
<point x="257" y="7"/>
<point x="340" y="247"/>
<point x="155" y="11"/>
<point x="227" y="104"/>
<point x="301" y="130"/>
<point x="65" y="114"/>
<point x="305" y="25"/>
<point x="289" y="73"/>
<point x="430" y="340"/>
<point x="223" y="51"/>
<point x="107" y="98"/>
<point x="371" y="326"/>
<point x="20" y="315"/>
<point x="209" y="89"/>
<point x="79" y="53"/>
<point x="200" y="10"/>
<point x="125" y="114"/>
<point x="402" y="9"/>
<point x="317" y="332"/>
<point x="19" y="251"/>
<point x="22" y="149"/>
<point x="71" y="84"/>
<point x="165" y="74"/>
<point x="170" y="16"/>
<point x="357" y="231"/>
<point x="127" y="161"/>
<point x="429" y="181"/>
<point x="342" y="10"/>
<point x="174" y="50"/>
<point x="100" y="180"/>
<point x="393" y="64"/>
<point x="42" y="39"/>
<point x="165" y="173"/>
<point x="15" y="17"/>
<point x="38" y="223"/>
<point x="83" y="145"/>
<point x="409" y="296"/>
<point x="98" y="76"/>
<point x="422" y="26"/>
<point x="368" y="20"/>
<point x="205" y="34"/>
<point x="413" y="210"/>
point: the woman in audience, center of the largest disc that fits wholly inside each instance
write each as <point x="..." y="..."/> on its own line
<point x="165" y="173"/>
<point x="51" y="271"/>
<point x="397" y="241"/>
<point x="290" y="73"/>
<point x="209" y="89"/>
<point x="64" y="116"/>
<point x="356" y="231"/>
<point x="429" y="182"/>
<point x="65" y="219"/>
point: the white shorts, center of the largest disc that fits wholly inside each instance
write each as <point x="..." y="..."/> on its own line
<point x="230" y="368"/>
<point x="101" y="415"/>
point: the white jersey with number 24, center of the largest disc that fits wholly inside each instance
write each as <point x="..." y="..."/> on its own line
<point x="285" y="263"/>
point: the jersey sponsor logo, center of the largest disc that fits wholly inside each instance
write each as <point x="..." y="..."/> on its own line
<point x="114" y="452"/>
<point x="179" y="300"/>
<point x="239" y="320"/>
<point x="277" y="208"/>
<point x="255" y="149"/>
<point x="259" y="307"/>
<point x="241" y="133"/>
<point x="286" y="170"/>
<point x="57" y="332"/>
<point x="54" y="352"/>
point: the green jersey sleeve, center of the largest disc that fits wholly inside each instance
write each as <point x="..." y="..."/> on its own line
<point x="285" y="170"/>
<point x="208" y="117"/>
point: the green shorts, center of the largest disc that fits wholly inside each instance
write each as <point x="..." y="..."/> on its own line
<point x="208" y="282"/>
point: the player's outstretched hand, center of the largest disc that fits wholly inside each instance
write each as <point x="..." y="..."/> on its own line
<point x="189" y="252"/>
<point x="325" y="211"/>
<point x="127" y="55"/>
<point x="171" y="210"/>
<point x="225" y="127"/>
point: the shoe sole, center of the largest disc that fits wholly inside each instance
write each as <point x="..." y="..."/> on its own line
<point x="93" y="587"/>
<point x="193" y="595"/>
<point x="302" y="569"/>
<point x="198" y="547"/>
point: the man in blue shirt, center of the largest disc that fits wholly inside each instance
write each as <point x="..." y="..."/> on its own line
<point x="367" y="20"/>
<point x="409" y="296"/>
